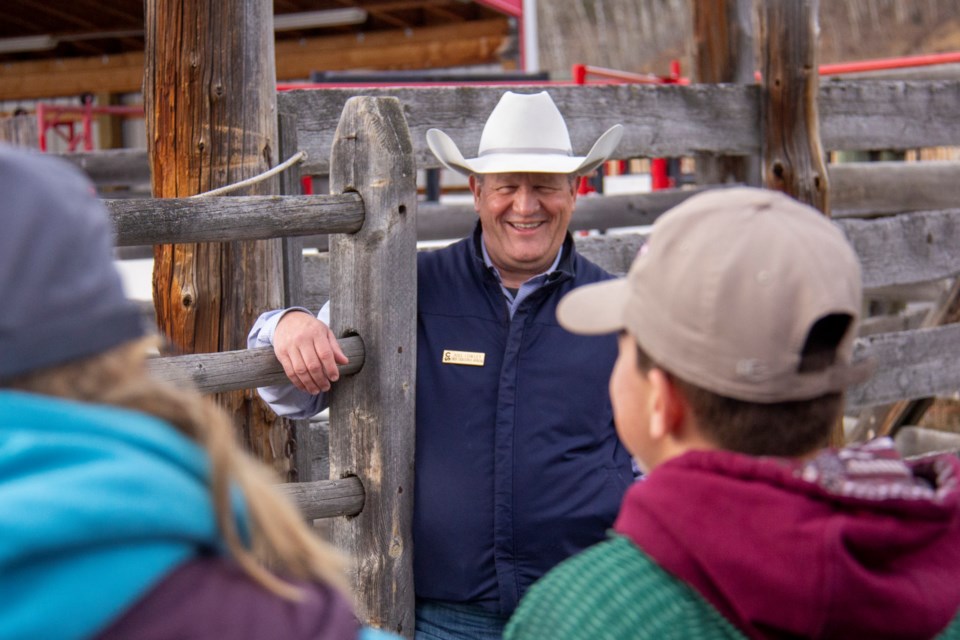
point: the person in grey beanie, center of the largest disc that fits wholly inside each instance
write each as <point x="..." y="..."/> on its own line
<point x="126" y="507"/>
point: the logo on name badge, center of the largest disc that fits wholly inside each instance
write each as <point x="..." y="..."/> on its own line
<point x="470" y="358"/>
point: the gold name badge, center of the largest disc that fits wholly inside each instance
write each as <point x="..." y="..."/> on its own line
<point x="469" y="358"/>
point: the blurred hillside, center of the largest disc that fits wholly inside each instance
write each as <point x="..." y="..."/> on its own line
<point x="645" y="35"/>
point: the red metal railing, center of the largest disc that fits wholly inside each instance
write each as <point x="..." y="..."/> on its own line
<point x="886" y="64"/>
<point x="63" y="120"/>
<point x="659" y="167"/>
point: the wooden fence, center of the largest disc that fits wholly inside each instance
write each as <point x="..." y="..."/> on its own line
<point x="903" y="234"/>
<point x="371" y="215"/>
<point x="902" y="219"/>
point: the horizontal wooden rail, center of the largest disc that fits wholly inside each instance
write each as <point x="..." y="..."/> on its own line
<point x="242" y="369"/>
<point x="326" y="498"/>
<point x="224" y="219"/>
<point x="666" y="120"/>
<point x="885" y="114"/>
<point x="906" y="249"/>
<point x="659" y="121"/>
<point x="869" y="189"/>
<point x="911" y="364"/>
<point x="113" y="167"/>
<point x="897" y="251"/>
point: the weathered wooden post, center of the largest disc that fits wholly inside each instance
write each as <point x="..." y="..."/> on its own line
<point x="793" y="158"/>
<point x="373" y="293"/>
<point x="210" y="98"/>
<point x="723" y="34"/>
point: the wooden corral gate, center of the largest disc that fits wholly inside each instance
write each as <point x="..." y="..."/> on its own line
<point x="903" y="220"/>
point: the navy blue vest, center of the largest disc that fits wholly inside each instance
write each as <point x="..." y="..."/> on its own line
<point x="518" y="465"/>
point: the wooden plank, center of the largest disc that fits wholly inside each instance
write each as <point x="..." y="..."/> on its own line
<point x="895" y="252"/>
<point x="911" y="364"/>
<point x="906" y="249"/>
<point x="451" y="45"/>
<point x="792" y="153"/>
<point x="723" y="35"/>
<point x="472" y="42"/>
<point x="113" y="167"/>
<point x="880" y="188"/>
<point x="660" y="120"/>
<point x="239" y="369"/>
<point x="889" y="115"/>
<point x="666" y="120"/>
<point x="210" y="101"/>
<point x="853" y="115"/>
<point x="372" y="413"/>
<point x="326" y="498"/>
<point x="887" y="419"/>
<point x="117" y="73"/>
<point x="290" y="186"/>
<point x="227" y="218"/>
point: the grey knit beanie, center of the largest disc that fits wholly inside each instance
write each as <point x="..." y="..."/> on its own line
<point x="62" y="297"/>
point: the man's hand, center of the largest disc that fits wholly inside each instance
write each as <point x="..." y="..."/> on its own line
<point x="308" y="351"/>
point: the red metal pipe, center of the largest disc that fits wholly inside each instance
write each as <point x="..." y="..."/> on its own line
<point x="579" y="73"/>
<point x="659" y="178"/>
<point x="883" y="64"/>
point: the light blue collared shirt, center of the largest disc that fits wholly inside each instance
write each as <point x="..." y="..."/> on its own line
<point x="528" y="287"/>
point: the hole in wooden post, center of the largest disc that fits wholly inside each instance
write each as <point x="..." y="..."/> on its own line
<point x="778" y="170"/>
<point x="400" y="349"/>
<point x="403" y="209"/>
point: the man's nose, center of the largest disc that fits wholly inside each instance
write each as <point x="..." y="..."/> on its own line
<point x="525" y="200"/>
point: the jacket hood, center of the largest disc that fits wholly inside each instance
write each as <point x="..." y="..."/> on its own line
<point x="854" y="543"/>
<point x="97" y="504"/>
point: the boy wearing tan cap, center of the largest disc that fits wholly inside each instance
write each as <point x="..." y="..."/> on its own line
<point x="736" y="328"/>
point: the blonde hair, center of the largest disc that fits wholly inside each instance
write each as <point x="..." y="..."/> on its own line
<point x="280" y="539"/>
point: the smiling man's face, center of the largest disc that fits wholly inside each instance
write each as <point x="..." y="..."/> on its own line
<point x="524" y="218"/>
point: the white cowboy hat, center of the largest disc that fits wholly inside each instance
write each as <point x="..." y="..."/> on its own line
<point x="524" y="133"/>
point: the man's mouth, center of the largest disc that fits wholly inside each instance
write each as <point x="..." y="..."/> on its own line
<point x="524" y="226"/>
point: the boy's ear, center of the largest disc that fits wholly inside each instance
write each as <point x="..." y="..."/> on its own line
<point x="667" y="408"/>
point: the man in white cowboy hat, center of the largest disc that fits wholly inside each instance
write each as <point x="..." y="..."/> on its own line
<point x="517" y="461"/>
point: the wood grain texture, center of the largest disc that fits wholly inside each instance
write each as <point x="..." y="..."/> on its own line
<point x="908" y="248"/>
<point x="792" y="152"/>
<point x="230" y="218"/>
<point x="240" y="369"/>
<point x="211" y="119"/>
<point x="666" y="120"/>
<point x="373" y="292"/>
<point x="723" y="37"/>
<point x="326" y="498"/>
<point x="674" y="121"/>
<point x="659" y="121"/>
<point x="911" y="364"/>
<point x="869" y="189"/>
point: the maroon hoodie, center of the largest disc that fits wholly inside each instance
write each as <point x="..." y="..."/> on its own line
<point x="855" y="543"/>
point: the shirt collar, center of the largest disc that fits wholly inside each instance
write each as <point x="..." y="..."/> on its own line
<point x="487" y="261"/>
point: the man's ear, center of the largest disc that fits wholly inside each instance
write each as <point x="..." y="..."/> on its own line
<point x="667" y="407"/>
<point x="475" y="190"/>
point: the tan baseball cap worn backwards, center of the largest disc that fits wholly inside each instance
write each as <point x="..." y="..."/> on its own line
<point x="726" y="291"/>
